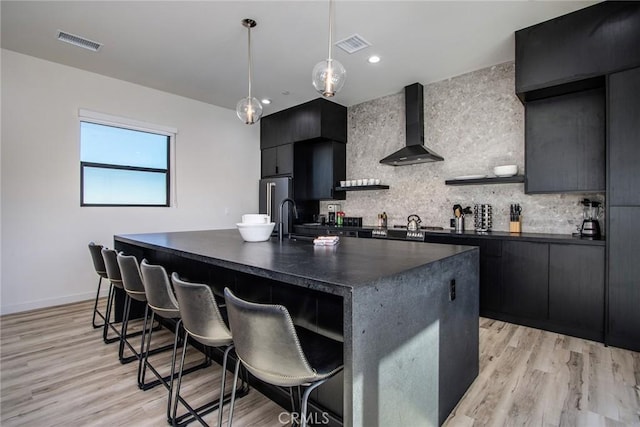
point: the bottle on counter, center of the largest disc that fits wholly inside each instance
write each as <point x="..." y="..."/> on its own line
<point x="340" y="218"/>
<point x="384" y="220"/>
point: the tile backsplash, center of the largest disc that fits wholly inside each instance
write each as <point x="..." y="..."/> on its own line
<point x="476" y="122"/>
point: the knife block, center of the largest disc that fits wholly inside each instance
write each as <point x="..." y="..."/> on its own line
<point x="515" y="226"/>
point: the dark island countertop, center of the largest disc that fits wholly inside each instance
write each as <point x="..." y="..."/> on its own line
<point x="336" y="269"/>
<point x="406" y="313"/>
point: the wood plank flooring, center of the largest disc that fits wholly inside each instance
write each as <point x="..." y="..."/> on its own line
<point x="56" y="371"/>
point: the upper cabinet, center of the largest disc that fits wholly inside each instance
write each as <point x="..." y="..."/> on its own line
<point x="566" y="53"/>
<point x="277" y="161"/>
<point x="317" y="119"/>
<point x="565" y="143"/>
<point x="561" y="69"/>
<point x="624" y="138"/>
<point x="307" y="142"/>
<point x="318" y="168"/>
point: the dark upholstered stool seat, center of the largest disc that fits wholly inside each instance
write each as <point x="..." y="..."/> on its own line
<point x="271" y="348"/>
<point x="203" y="322"/>
<point x="162" y="302"/>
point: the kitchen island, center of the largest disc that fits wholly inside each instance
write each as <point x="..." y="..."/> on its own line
<point x="407" y="313"/>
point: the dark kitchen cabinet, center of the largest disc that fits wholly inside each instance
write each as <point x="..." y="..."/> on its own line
<point x="277" y="161"/>
<point x="525" y="282"/>
<point x="623" y="231"/>
<point x="317" y="119"/>
<point x="274" y="129"/>
<point x="565" y="143"/>
<point x="573" y="48"/>
<point x="624" y="138"/>
<point x="490" y="283"/>
<point x="624" y="277"/>
<point x="318" y="167"/>
<point x="576" y="290"/>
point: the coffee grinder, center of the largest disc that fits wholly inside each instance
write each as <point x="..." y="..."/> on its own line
<point x="590" y="215"/>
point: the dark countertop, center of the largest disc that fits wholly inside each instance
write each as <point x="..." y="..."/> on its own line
<point x="496" y="235"/>
<point x="351" y="263"/>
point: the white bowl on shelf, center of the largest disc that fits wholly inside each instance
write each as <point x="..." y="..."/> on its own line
<point x="255" y="219"/>
<point x="505" y="170"/>
<point x="255" y="232"/>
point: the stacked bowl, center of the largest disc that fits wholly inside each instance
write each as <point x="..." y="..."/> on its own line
<point x="255" y="227"/>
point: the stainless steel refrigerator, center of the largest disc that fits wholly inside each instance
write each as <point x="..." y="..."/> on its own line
<point x="272" y="192"/>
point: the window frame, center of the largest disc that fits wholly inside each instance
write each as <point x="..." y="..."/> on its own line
<point x="133" y="125"/>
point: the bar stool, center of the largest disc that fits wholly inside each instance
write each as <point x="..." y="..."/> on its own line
<point x="276" y="352"/>
<point x="203" y="322"/>
<point x="113" y="274"/>
<point x="101" y="271"/>
<point x="132" y="284"/>
<point x="162" y="302"/>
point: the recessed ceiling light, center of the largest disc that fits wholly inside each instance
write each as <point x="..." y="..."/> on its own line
<point x="266" y="101"/>
<point x="374" y="59"/>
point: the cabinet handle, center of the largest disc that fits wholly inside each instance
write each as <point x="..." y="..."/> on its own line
<point x="276" y="170"/>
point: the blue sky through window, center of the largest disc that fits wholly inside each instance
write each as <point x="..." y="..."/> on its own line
<point x="124" y="147"/>
<point x="120" y="147"/>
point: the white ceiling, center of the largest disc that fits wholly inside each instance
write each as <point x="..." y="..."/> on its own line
<point x="198" y="49"/>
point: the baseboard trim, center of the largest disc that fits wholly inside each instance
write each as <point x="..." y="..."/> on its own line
<point x="50" y="302"/>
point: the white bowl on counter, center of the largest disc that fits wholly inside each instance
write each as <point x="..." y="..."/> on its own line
<point x="255" y="232"/>
<point x="505" y="170"/>
<point x="255" y="219"/>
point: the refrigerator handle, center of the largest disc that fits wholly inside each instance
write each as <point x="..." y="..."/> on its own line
<point x="270" y="187"/>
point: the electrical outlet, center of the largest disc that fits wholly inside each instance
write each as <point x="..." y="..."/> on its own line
<point x="452" y="290"/>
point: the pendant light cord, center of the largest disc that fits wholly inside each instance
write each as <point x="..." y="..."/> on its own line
<point x="250" y="66"/>
<point x="330" y="27"/>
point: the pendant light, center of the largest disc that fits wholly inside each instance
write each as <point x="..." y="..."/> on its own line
<point x="249" y="109"/>
<point x="329" y="75"/>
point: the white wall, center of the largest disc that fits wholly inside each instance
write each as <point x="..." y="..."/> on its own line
<point x="45" y="260"/>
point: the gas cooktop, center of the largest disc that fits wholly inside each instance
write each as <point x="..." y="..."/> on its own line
<point x="422" y="227"/>
<point x="400" y="232"/>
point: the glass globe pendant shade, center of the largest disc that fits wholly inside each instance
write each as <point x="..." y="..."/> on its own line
<point x="249" y="110"/>
<point x="328" y="77"/>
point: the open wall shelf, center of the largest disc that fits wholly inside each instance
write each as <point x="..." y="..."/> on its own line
<point x="484" y="181"/>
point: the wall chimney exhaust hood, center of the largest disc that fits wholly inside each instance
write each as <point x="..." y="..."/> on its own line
<point x="415" y="151"/>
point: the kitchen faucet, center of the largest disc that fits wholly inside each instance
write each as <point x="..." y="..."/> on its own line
<point x="281" y="224"/>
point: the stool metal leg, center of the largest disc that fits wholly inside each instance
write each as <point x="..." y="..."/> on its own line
<point x="305" y="398"/>
<point x="145" y="351"/>
<point x="107" y="316"/>
<point x="233" y="391"/>
<point x="224" y="377"/>
<point x="95" y="307"/>
<point x="170" y="418"/>
<point x="124" y="336"/>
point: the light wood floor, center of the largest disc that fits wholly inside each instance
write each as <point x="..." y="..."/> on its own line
<point x="55" y="371"/>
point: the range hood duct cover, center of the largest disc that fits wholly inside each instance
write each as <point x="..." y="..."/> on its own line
<point x="414" y="152"/>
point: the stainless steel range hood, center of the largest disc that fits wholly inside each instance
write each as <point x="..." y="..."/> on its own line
<point x="415" y="151"/>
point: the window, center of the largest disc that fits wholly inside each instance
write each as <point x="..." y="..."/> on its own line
<point x="123" y="166"/>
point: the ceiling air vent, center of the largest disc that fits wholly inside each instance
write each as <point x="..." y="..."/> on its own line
<point x="353" y="44"/>
<point x="79" y="41"/>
